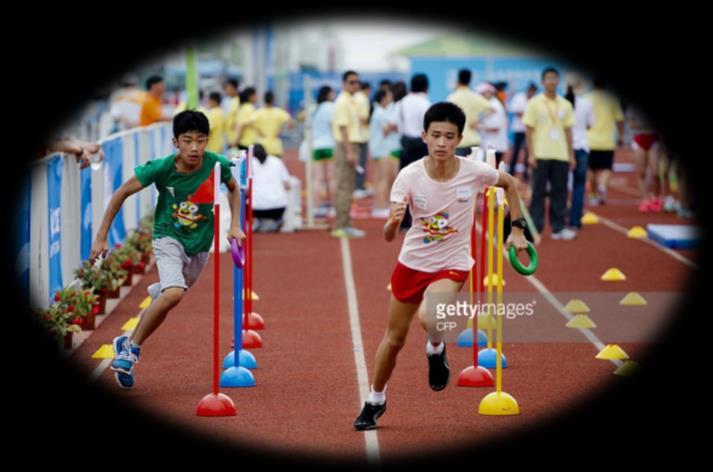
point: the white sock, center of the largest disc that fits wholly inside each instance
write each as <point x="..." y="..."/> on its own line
<point x="434" y="350"/>
<point x="132" y="343"/>
<point x="377" y="398"/>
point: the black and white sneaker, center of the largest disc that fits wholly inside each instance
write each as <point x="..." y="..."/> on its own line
<point x="438" y="371"/>
<point x="368" y="416"/>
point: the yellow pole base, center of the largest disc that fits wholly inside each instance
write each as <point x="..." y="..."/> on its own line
<point x="498" y="404"/>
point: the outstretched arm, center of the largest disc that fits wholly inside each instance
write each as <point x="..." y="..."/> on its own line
<point x="509" y="184"/>
<point x="127" y="189"/>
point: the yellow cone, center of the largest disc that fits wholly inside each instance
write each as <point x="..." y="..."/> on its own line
<point x="494" y="280"/>
<point x="637" y="232"/>
<point x="486" y="322"/>
<point x="131" y="324"/>
<point x="576" y="306"/>
<point x="612" y="351"/>
<point x="627" y="369"/>
<point x="581" y="322"/>
<point x="633" y="299"/>
<point x="498" y="404"/>
<point x="613" y="275"/>
<point x="104" y="352"/>
<point x="590" y="218"/>
<point x="145" y="303"/>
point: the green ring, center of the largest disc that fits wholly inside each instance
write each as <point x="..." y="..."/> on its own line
<point x="517" y="265"/>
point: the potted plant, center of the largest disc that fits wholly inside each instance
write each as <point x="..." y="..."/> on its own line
<point x="60" y="322"/>
<point x="128" y="258"/>
<point x="140" y="239"/>
<point x="112" y="266"/>
<point x="78" y="303"/>
<point x="94" y="277"/>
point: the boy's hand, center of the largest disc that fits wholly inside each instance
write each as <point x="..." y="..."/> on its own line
<point x="235" y="232"/>
<point x="398" y="212"/>
<point x="517" y="239"/>
<point x="99" y="248"/>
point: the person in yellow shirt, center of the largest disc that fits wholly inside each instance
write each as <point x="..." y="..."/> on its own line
<point x="549" y="119"/>
<point x="474" y="105"/>
<point x="345" y="128"/>
<point x="245" y="130"/>
<point x="269" y="120"/>
<point x="152" y="106"/>
<point x="230" y="88"/>
<point x="608" y="119"/>
<point x="216" y="120"/>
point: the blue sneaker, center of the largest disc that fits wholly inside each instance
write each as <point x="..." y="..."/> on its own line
<point x="125" y="357"/>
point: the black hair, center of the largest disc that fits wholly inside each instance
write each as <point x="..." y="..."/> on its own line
<point x="246" y="94"/>
<point x="532" y="86"/>
<point x="151" y="81"/>
<point x="445" y="111"/>
<point x="399" y="90"/>
<point x="190" y="120"/>
<point x="323" y="93"/>
<point x="365" y="85"/>
<point x="216" y="97"/>
<point x="379" y="95"/>
<point x="547" y="70"/>
<point x="259" y="153"/>
<point x="346" y="75"/>
<point x="464" y="76"/>
<point x="233" y="82"/>
<point x="385" y="83"/>
<point x="419" y="83"/>
<point x="500" y="86"/>
<point x="269" y="97"/>
<point x="570" y="94"/>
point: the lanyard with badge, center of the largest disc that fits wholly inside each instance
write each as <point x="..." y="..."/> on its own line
<point x="554" y="119"/>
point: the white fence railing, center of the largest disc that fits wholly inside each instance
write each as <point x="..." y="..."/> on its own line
<point x="62" y="207"/>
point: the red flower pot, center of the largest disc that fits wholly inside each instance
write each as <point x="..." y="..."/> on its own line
<point x="68" y="340"/>
<point x="113" y="293"/>
<point x="129" y="277"/>
<point x="89" y="322"/>
<point x="100" y="304"/>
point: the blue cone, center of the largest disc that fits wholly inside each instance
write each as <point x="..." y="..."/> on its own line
<point x="488" y="357"/>
<point x="237" y="377"/>
<point x="465" y="338"/>
<point x="245" y="359"/>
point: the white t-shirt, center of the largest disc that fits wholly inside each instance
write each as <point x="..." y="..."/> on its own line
<point x="269" y="183"/>
<point x="584" y="118"/>
<point x="497" y="140"/>
<point x="442" y="214"/>
<point x="322" y="137"/>
<point x="409" y="113"/>
<point x="517" y="105"/>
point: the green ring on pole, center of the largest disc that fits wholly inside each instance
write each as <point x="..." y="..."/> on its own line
<point x="517" y="265"/>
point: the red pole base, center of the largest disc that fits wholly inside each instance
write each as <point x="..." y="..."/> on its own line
<point x="216" y="405"/>
<point x="255" y="321"/>
<point x="251" y="339"/>
<point x="475" y="377"/>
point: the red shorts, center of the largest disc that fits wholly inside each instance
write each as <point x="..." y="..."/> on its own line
<point x="408" y="285"/>
<point x="645" y="140"/>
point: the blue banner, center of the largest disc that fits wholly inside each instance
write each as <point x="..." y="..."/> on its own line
<point x="54" y="199"/>
<point x="21" y="241"/>
<point x="113" y="154"/>
<point x="137" y="163"/>
<point x="86" y="212"/>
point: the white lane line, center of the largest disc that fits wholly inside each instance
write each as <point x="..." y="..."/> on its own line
<point x="370" y="437"/>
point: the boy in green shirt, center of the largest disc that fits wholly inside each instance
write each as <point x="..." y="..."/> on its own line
<point x="183" y="227"/>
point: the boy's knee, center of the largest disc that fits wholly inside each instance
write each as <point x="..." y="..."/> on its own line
<point x="395" y="342"/>
<point x="173" y="295"/>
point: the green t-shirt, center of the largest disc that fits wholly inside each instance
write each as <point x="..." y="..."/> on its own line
<point x="184" y="210"/>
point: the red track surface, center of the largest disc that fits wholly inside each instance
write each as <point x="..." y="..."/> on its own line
<point x="307" y="394"/>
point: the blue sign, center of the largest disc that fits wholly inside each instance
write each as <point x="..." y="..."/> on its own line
<point x="54" y="199"/>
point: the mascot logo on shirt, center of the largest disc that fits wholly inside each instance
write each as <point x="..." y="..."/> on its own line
<point x="436" y="227"/>
<point x="186" y="214"/>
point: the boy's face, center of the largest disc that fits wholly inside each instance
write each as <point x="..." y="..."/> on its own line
<point x="550" y="81"/>
<point x="442" y="139"/>
<point x="191" y="146"/>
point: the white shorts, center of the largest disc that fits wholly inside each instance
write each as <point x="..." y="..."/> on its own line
<point x="175" y="268"/>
